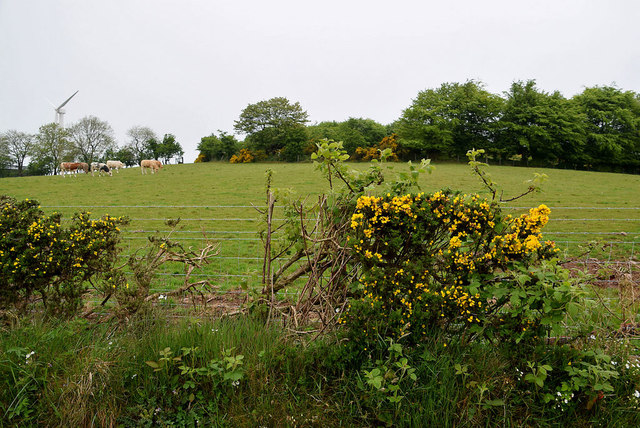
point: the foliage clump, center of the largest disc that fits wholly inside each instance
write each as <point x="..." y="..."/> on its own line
<point x="39" y="257"/>
<point x="244" y="156"/>
<point x="375" y="151"/>
<point x="454" y="262"/>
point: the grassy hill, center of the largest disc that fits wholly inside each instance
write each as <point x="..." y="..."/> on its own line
<point x="217" y="198"/>
<point x="240" y="184"/>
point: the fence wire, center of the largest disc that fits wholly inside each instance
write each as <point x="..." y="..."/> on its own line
<point x="239" y="262"/>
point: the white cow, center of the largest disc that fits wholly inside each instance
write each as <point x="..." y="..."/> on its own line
<point x="115" y="165"/>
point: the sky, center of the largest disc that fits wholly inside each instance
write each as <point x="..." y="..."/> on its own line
<point x="189" y="67"/>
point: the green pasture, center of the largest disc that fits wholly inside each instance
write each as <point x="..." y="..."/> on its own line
<point x="216" y="201"/>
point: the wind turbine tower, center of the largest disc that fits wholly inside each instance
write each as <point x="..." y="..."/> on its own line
<point x="60" y="111"/>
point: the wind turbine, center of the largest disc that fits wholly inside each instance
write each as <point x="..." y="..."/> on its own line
<point x="60" y="111"/>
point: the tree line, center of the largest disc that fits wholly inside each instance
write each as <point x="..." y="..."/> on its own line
<point x="598" y="129"/>
<point x="88" y="140"/>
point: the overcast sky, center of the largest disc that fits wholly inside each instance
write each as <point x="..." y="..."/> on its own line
<point x="189" y="67"/>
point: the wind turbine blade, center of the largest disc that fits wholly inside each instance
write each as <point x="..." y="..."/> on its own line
<point x="68" y="99"/>
<point x="49" y="101"/>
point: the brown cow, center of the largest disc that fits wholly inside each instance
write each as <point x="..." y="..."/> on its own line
<point x="69" y="168"/>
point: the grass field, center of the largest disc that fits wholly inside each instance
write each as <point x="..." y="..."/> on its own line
<point x="86" y="373"/>
<point x="218" y="199"/>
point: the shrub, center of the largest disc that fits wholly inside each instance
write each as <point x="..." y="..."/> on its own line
<point x="244" y="156"/>
<point x="453" y="262"/>
<point x="38" y="256"/>
<point x="374" y="152"/>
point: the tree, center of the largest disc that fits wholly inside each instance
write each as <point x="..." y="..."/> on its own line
<point x="353" y="132"/>
<point x="141" y="140"/>
<point x="123" y="154"/>
<point x="5" y="160"/>
<point x="169" y="148"/>
<point x="218" y="148"/>
<point x="272" y="124"/>
<point x="126" y="156"/>
<point x="612" y="125"/>
<point x="367" y="131"/>
<point x="91" y="137"/>
<point x="449" y="120"/>
<point x="41" y="165"/>
<point x="541" y="126"/>
<point x="18" y="146"/>
<point x="52" y="147"/>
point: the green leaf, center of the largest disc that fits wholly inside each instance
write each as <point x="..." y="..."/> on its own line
<point x="152" y="364"/>
<point x="573" y="309"/>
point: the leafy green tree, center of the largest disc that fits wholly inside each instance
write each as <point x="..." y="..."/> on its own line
<point x="53" y="145"/>
<point x="123" y="154"/>
<point x="218" y="147"/>
<point x="5" y="160"/>
<point x="273" y="124"/>
<point x="91" y="138"/>
<point x="169" y="148"/>
<point x="152" y="149"/>
<point x="353" y="132"/>
<point x="41" y="165"/>
<point x="449" y="120"/>
<point x="541" y="126"/>
<point x="327" y="130"/>
<point x="126" y="156"/>
<point x="15" y="147"/>
<point x="612" y="122"/>
<point x="365" y="133"/>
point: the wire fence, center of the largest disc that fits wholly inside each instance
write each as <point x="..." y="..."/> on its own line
<point x="591" y="236"/>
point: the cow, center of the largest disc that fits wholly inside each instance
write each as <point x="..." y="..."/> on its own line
<point x="115" y="165"/>
<point x="69" y="168"/>
<point x="84" y="166"/>
<point x="100" y="168"/>
<point x="153" y="165"/>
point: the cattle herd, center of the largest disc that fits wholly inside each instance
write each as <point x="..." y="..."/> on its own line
<point x="105" y="168"/>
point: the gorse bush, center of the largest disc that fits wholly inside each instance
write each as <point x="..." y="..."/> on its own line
<point x="453" y="262"/>
<point x="244" y="156"/>
<point x="41" y="258"/>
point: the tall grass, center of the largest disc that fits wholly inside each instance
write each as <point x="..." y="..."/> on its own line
<point x="86" y="374"/>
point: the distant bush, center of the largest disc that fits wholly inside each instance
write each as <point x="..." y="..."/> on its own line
<point x="374" y="152"/>
<point x="244" y="156"/>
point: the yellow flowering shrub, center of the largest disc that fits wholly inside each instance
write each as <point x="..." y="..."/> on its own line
<point x="38" y="256"/>
<point x="368" y="153"/>
<point x="453" y="262"/>
<point x="244" y="156"/>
